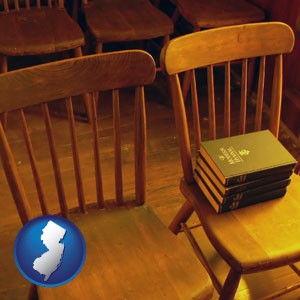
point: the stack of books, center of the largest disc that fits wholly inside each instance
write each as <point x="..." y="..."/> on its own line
<point x="243" y="170"/>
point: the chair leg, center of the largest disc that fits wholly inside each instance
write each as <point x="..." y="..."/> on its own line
<point x="230" y="286"/>
<point x="175" y="16"/>
<point x="75" y="8"/>
<point x="251" y="71"/>
<point x="181" y="217"/>
<point x="168" y="94"/>
<point x="33" y="294"/>
<point x="4" y="69"/>
<point x="166" y="39"/>
<point x="99" y="49"/>
<point x="187" y="78"/>
<point x="86" y="97"/>
<point x="3" y="120"/>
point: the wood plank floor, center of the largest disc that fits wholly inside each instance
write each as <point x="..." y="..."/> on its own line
<point x="163" y="174"/>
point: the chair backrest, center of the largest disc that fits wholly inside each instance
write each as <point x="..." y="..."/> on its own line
<point x="223" y="46"/>
<point x="9" y="5"/>
<point x="40" y="85"/>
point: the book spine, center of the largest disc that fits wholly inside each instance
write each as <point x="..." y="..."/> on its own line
<point x="205" y="172"/>
<point x="229" y="206"/>
<point x="211" y="199"/>
<point x="246" y="195"/>
<point x="257" y="183"/>
<point x="211" y="163"/>
<point x="255" y="175"/>
<point x="202" y="167"/>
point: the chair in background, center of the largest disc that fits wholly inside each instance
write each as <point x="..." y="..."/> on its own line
<point x="125" y="20"/>
<point x="35" y="30"/>
<point x="130" y="254"/>
<point x="203" y="14"/>
<point x="259" y="237"/>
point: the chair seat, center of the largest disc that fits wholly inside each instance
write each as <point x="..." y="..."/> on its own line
<point x="132" y="255"/>
<point x="216" y="13"/>
<point x="119" y="20"/>
<point x="261" y="236"/>
<point x="38" y="31"/>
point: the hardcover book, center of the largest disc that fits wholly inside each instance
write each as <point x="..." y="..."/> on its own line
<point x="246" y="157"/>
<point x="245" y="195"/>
<point x="229" y="206"/>
<point x="205" y="171"/>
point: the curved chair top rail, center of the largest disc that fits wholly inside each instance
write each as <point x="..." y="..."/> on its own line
<point x="75" y="76"/>
<point x="242" y="41"/>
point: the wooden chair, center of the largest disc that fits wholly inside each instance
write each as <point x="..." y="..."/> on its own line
<point x="203" y="14"/>
<point x="259" y="237"/>
<point x="130" y="254"/>
<point x="123" y="21"/>
<point x="215" y="13"/>
<point x="37" y="29"/>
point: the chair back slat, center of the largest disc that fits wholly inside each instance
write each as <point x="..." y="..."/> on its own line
<point x="182" y="132"/>
<point x="14" y="179"/>
<point x="16" y="3"/>
<point x="6" y="5"/>
<point x="62" y="147"/>
<point x="33" y="163"/>
<point x="227" y="108"/>
<point x="96" y="147"/>
<point x="243" y="108"/>
<point x="211" y="103"/>
<point x="196" y="117"/>
<point x="260" y="93"/>
<point x="140" y="145"/>
<point x="75" y="154"/>
<point x="55" y="162"/>
<point x="117" y="147"/>
<point x="224" y="48"/>
<point x="276" y="96"/>
<point x="4" y="64"/>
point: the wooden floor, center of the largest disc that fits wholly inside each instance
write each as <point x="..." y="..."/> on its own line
<point x="163" y="174"/>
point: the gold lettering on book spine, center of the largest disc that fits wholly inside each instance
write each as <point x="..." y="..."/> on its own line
<point x="238" y="197"/>
<point x="234" y="205"/>
<point x="242" y="178"/>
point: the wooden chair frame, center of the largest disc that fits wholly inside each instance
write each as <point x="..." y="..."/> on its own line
<point x="135" y="229"/>
<point x="19" y="18"/>
<point x="133" y="21"/>
<point x="205" y="49"/>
